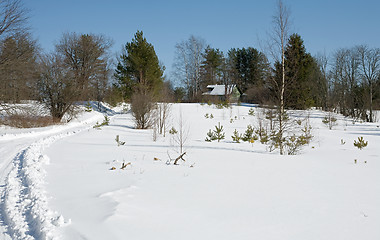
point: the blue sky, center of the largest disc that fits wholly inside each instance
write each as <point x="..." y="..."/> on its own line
<point x="325" y="25"/>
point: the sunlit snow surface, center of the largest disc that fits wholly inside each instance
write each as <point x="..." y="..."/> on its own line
<point x="224" y="190"/>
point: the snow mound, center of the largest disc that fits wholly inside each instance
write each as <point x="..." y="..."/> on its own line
<point x="26" y="210"/>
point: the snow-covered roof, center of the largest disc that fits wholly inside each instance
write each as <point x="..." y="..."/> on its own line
<point x="219" y="90"/>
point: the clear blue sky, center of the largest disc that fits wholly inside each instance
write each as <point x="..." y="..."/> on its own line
<point x="325" y="25"/>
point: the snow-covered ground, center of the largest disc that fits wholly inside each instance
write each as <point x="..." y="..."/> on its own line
<point x="56" y="182"/>
<point x="24" y="207"/>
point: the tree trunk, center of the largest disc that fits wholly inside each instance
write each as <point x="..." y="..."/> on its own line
<point x="282" y="107"/>
<point x="370" y="102"/>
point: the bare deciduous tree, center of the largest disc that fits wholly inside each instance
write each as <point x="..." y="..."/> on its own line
<point x="370" y="71"/>
<point x="13" y="17"/>
<point x="181" y="135"/>
<point x="279" y="37"/>
<point x="87" y="57"/>
<point x="323" y="61"/>
<point x="18" y="73"/>
<point x="56" y="85"/>
<point x="17" y="53"/>
<point x="188" y="62"/>
<point x="162" y="111"/>
<point x="163" y="114"/>
<point x="345" y="74"/>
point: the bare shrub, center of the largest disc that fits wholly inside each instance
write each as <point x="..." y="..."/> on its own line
<point x="24" y="121"/>
<point x="330" y="120"/>
<point x="180" y="135"/>
<point x="141" y="107"/>
<point x="160" y="117"/>
<point x="162" y="113"/>
<point x="27" y="114"/>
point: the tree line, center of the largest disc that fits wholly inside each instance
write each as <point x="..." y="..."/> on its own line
<point x="80" y="69"/>
<point x="347" y="82"/>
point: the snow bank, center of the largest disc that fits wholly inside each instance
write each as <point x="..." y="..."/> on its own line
<point x="25" y="212"/>
<point x="26" y="209"/>
<point x="28" y="133"/>
<point x="25" y="206"/>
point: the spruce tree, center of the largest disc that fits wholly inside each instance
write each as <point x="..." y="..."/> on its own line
<point x="302" y="76"/>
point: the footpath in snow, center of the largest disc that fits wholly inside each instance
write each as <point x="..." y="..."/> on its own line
<point x="24" y="203"/>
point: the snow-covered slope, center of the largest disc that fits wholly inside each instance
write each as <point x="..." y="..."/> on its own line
<point x="224" y="190"/>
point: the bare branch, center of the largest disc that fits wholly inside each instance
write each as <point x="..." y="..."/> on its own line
<point x="13" y="17"/>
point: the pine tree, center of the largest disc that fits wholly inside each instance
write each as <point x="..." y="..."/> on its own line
<point x="138" y="68"/>
<point x="219" y="134"/>
<point x="212" y="66"/>
<point x="236" y="137"/>
<point x="248" y="134"/>
<point x="250" y="67"/>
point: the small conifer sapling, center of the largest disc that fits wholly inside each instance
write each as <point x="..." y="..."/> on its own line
<point x="360" y="144"/>
<point x="236" y="137"/>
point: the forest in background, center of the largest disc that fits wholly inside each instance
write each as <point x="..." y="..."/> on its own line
<point x="283" y="75"/>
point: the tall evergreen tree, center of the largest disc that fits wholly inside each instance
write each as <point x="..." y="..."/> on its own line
<point x="138" y="68"/>
<point x="251" y="67"/>
<point x="250" y="70"/>
<point x="302" y="74"/>
<point x="212" y="66"/>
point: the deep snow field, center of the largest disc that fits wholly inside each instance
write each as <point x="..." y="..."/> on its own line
<point x="57" y="182"/>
